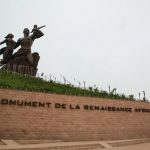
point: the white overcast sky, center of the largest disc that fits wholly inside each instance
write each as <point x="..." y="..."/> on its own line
<point x="102" y="42"/>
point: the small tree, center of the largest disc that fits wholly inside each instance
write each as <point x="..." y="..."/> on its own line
<point x="131" y="97"/>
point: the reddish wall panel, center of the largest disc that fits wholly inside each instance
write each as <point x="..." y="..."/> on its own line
<point x="66" y="123"/>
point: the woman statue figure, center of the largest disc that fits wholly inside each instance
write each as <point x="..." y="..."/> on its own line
<point x="8" y="50"/>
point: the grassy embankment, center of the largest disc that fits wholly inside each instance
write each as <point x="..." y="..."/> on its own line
<point x="13" y="80"/>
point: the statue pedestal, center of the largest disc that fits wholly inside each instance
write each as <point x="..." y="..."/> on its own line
<point x="22" y="69"/>
<point x="22" y="66"/>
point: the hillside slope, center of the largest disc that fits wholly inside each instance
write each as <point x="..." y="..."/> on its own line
<point x="13" y="80"/>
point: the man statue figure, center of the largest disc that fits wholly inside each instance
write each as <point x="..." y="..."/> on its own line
<point x="23" y="55"/>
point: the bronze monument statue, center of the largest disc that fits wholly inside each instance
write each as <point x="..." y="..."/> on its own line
<point x="23" y="61"/>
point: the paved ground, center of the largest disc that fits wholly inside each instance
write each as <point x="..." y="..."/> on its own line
<point x="144" y="146"/>
<point x="133" y="144"/>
